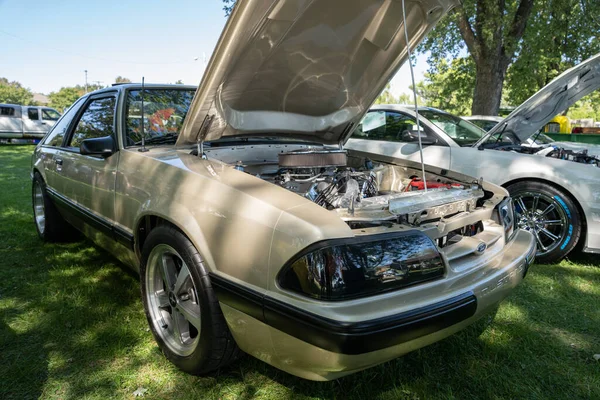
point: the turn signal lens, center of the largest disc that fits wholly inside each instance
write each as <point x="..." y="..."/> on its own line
<point x="363" y="266"/>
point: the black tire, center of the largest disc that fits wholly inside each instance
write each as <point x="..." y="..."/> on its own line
<point x="215" y="347"/>
<point x="54" y="228"/>
<point x="568" y="231"/>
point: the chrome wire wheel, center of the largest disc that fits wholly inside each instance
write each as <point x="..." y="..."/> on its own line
<point x="543" y="216"/>
<point x="39" y="212"/>
<point x="172" y="300"/>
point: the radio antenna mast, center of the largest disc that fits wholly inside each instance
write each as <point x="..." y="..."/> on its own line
<point x="414" y="88"/>
<point x="143" y="149"/>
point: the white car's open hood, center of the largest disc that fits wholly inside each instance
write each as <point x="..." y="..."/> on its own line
<point x="554" y="98"/>
<point x="305" y="69"/>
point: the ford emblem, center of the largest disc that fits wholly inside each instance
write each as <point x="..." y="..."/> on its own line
<point x="481" y="247"/>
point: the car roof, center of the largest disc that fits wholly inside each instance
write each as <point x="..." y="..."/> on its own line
<point x="126" y="86"/>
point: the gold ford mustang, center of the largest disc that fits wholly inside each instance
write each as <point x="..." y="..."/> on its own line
<point x="252" y="228"/>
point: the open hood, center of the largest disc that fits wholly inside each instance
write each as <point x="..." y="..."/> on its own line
<point x="554" y="98"/>
<point x="303" y="69"/>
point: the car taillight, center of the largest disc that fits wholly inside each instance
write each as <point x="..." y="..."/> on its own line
<point x="362" y="266"/>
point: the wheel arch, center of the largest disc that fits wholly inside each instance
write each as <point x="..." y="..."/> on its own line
<point x="150" y="220"/>
<point x="583" y="237"/>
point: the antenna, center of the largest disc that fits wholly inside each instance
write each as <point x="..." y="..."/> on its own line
<point x="414" y="88"/>
<point x="143" y="149"/>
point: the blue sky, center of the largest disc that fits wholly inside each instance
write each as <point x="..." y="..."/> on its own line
<point x="49" y="44"/>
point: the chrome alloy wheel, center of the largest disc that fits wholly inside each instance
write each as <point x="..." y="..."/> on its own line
<point x="172" y="300"/>
<point x="39" y="211"/>
<point x="543" y="216"/>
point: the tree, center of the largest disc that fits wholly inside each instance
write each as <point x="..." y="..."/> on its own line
<point x="386" y="96"/>
<point x="121" y="79"/>
<point x="560" y="34"/>
<point x="450" y="88"/>
<point x="491" y="30"/>
<point x="228" y="6"/>
<point x="62" y="99"/>
<point x="14" y="93"/>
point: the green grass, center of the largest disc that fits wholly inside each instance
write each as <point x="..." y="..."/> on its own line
<point x="72" y="327"/>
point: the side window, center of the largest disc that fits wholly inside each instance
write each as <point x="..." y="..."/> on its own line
<point x="57" y="133"/>
<point x="389" y="126"/>
<point x="7" y="112"/>
<point x="33" y="114"/>
<point x="49" y="114"/>
<point x="96" y="121"/>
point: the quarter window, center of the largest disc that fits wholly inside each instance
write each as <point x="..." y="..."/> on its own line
<point x="57" y="134"/>
<point x="389" y="126"/>
<point x="96" y="121"/>
<point x="33" y="114"/>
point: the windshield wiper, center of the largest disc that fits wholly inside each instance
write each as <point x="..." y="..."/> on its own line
<point x="170" y="138"/>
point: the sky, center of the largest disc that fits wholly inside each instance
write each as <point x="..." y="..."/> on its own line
<point x="49" y="44"/>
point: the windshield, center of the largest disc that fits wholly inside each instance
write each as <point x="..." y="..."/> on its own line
<point x="463" y="132"/>
<point x="164" y="112"/>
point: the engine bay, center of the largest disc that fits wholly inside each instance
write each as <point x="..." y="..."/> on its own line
<point x="552" y="151"/>
<point x="364" y="192"/>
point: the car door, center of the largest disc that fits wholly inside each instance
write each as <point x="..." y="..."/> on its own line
<point x="88" y="182"/>
<point x="51" y="150"/>
<point x="394" y="134"/>
<point x="33" y="126"/>
<point x="11" y="124"/>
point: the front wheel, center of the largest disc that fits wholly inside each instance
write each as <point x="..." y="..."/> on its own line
<point x="550" y="215"/>
<point x="181" y="306"/>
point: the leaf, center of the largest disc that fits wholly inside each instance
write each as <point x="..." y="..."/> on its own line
<point x="597" y="357"/>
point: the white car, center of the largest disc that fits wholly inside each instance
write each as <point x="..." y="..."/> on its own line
<point x="555" y="185"/>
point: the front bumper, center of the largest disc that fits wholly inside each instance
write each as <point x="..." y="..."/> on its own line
<point x="318" y="348"/>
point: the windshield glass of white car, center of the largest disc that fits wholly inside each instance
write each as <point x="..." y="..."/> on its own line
<point x="464" y="133"/>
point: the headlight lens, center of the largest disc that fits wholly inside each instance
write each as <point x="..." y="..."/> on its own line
<point x="506" y="214"/>
<point x="362" y="266"/>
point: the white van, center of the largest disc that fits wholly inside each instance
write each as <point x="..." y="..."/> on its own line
<point x="26" y="122"/>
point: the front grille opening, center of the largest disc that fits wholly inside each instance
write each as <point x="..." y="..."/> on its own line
<point x="455" y="236"/>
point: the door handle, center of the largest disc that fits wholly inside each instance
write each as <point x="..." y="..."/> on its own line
<point x="58" y="161"/>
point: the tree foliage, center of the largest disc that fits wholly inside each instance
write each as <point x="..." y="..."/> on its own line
<point x="122" y="79"/>
<point x="14" y="93"/>
<point x="63" y="98"/>
<point x="228" y="6"/>
<point x="560" y="34"/>
<point x="450" y="88"/>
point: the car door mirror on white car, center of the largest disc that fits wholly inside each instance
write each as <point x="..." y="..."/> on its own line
<point x="101" y="146"/>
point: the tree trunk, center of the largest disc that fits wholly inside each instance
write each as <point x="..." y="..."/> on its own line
<point x="489" y="80"/>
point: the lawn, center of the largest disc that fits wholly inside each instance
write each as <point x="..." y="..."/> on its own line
<point x="72" y="327"/>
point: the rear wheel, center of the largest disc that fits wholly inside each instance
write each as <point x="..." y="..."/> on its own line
<point x="49" y="224"/>
<point x="550" y="215"/>
<point x="181" y="306"/>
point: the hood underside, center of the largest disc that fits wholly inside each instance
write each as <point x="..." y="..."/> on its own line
<point x="303" y="69"/>
<point x="553" y="99"/>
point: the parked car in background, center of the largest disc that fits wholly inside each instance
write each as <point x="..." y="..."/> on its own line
<point x="485" y="122"/>
<point x="249" y="225"/>
<point x="26" y="122"/>
<point x="555" y="185"/>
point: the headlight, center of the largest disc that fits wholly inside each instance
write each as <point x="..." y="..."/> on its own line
<point x="362" y="266"/>
<point x="506" y="214"/>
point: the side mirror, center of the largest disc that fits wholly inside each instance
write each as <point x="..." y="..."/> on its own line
<point x="103" y="147"/>
<point x="413" y="138"/>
